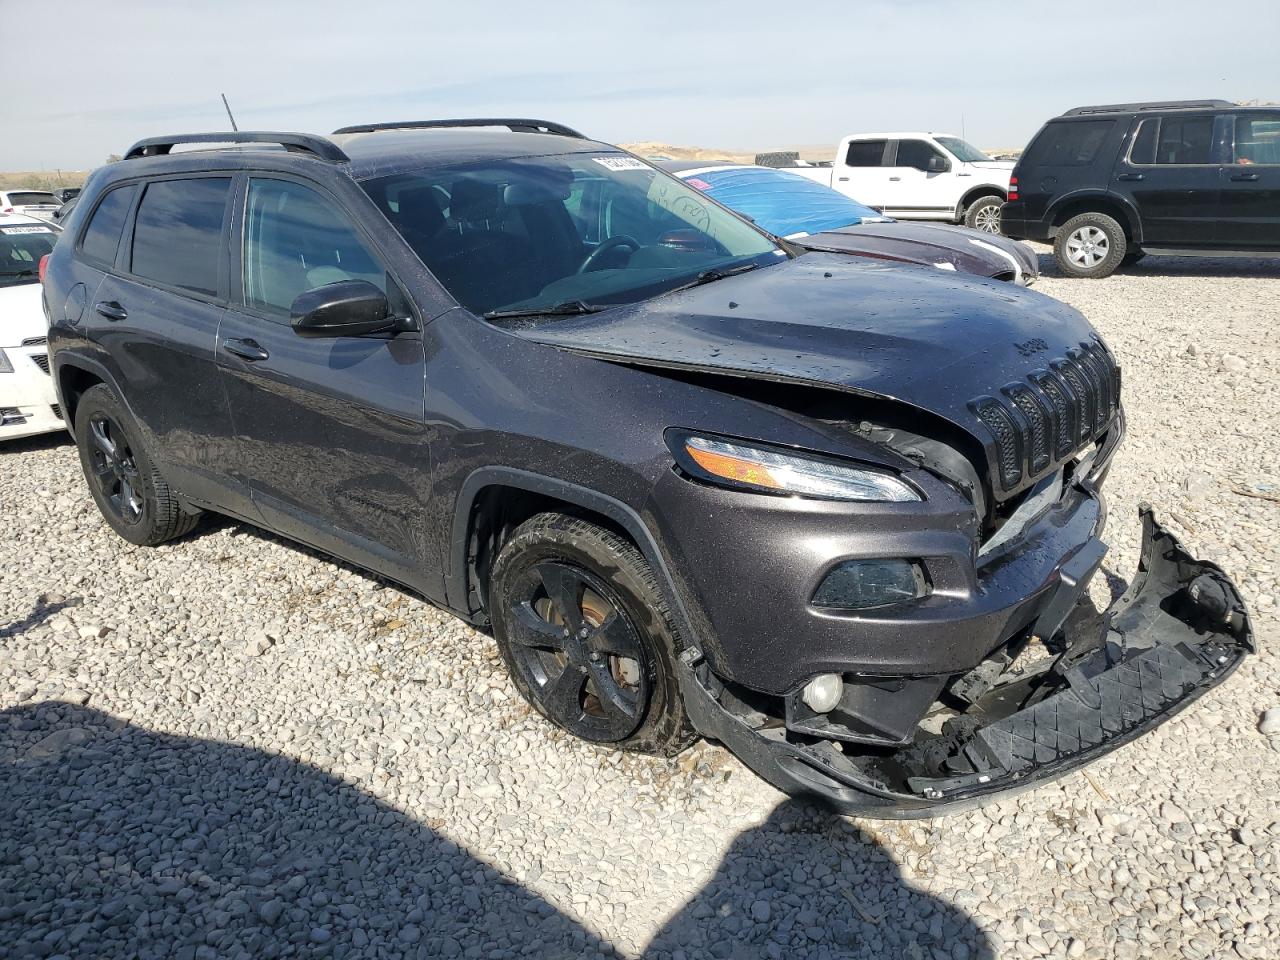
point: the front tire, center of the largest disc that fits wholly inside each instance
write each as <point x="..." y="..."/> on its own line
<point x="984" y="214"/>
<point x="1091" y="245"/>
<point x="586" y="636"/>
<point x="130" y="492"/>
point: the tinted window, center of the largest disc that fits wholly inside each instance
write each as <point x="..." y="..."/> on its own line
<point x="865" y="153"/>
<point x="21" y="248"/>
<point x="1070" y="144"/>
<point x="24" y="198"/>
<point x="1258" y="139"/>
<point x="102" y="236"/>
<point x="295" y="241"/>
<point x="1144" y="143"/>
<point x="915" y="153"/>
<point x="1185" y="140"/>
<point x="177" y="233"/>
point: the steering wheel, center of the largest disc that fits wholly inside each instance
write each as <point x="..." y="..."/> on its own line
<point x="621" y="240"/>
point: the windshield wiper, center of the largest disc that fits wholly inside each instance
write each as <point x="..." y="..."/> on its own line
<point x="714" y="274"/>
<point x="568" y="308"/>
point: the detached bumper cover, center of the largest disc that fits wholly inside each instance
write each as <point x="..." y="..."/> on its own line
<point x="1179" y="630"/>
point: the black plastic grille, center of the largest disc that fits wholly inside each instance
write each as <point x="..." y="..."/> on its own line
<point x="41" y="360"/>
<point x="1041" y="422"/>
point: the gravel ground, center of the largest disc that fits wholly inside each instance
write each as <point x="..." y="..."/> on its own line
<point x="233" y="747"/>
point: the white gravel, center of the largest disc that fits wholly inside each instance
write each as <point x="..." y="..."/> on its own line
<point x="233" y="747"/>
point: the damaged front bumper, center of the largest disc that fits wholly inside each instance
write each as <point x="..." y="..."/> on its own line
<point x="1180" y="629"/>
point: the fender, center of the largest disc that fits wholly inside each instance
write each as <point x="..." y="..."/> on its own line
<point x="614" y="509"/>
<point x="63" y="359"/>
<point x="1124" y="203"/>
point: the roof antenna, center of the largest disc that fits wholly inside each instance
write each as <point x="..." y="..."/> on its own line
<point x="229" y="116"/>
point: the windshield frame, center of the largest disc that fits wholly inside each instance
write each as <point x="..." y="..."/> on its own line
<point x="650" y="282"/>
<point x="950" y="144"/>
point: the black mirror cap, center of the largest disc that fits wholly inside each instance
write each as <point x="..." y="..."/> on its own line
<point x="348" y="308"/>
<point x="939" y="165"/>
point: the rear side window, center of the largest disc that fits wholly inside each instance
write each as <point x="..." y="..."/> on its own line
<point x="1185" y="140"/>
<point x="102" y="235"/>
<point x="1258" y="139"/>
<point x="865" y="153"/>
<point x="177" y="234"/>
<point x="1072" y="144"/>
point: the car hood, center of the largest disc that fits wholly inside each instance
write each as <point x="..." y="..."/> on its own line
<point x="950" y="248"/>
<point x="21" y="314"/>
<point x="931" y="339"/>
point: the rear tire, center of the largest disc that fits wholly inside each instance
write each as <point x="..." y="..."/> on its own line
<point x="586" y="636"/>
<point x="984" y="214"/>
<point x="130" y="492"/>
<point x="1091" y="245"/>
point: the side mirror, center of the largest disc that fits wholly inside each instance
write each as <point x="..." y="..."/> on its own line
<point x="348" y="308"/>
<point x="938" y="165"/>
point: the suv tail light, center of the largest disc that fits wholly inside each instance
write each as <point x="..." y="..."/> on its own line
<point x="44" y="266"/>
<point x="1013" y="188"/>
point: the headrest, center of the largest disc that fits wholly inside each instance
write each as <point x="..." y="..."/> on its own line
<point x="472" y="200"/>
<point x="420" y="211"/>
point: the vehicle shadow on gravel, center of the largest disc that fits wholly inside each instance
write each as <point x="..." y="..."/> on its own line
<point x="118" y="841"/>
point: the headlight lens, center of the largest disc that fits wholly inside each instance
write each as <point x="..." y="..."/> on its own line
<point x="5" y="365"/>
<point x="769" y="471"/>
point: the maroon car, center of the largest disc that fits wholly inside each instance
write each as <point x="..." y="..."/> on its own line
<point x="818" y="218"/>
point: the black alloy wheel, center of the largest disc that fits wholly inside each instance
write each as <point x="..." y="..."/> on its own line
<point x="113" y="468"/>
<point x="578" y="652"/>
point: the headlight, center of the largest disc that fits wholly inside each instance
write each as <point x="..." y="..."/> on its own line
<point x="5" y="365"/>
<point x="733" y="464"/>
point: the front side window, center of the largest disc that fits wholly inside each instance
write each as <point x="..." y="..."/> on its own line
<point x="295" y="240"/>
<point x="916" y="153"/>
<point x="21" y="247"/>
<point x="102" y="235"/>
<point x="1185" y="140"/>
<point x="1074" y="143"/>
<point x="1258" y="139"/>
<point x="177" y="233"/>
<point x="524" y="233"/>
<point x="865" y="153"/>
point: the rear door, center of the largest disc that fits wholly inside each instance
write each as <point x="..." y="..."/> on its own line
<point x="330" y="432"/>
<point x="860" y="172"/>
<point x="915" y="191"/>
<point x="156" y="315"/>
<point x="1172" y="173"/>
<point x="1251" y="184"/>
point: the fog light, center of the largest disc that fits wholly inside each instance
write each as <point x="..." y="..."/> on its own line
<point x="822" y="693"/>
<point x="856" y="584"/>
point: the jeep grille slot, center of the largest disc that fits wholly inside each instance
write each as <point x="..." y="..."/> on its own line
<point x="1056" y="411"/>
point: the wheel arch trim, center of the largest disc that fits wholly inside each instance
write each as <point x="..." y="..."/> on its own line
<point x="63" y="362"/>
<point x="1131" y="218"/>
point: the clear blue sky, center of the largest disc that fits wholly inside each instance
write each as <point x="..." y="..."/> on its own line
<point x="88" y="77"/>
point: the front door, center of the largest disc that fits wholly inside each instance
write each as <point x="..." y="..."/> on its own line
<point x="915" y="191"/>
<point x="1251" y="185"/>
<point x="330" y="431"/>
<point x="1172" y="174"/>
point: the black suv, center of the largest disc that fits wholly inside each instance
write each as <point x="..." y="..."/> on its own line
<point x="1109" y="184"/>
<point x="815" y="508"/>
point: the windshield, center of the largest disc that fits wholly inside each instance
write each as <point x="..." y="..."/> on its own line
<point x="29" y="198"/>
<point x="21" y="248"/>
<point x="785" y="204"/>
<point x="962" y="150"/>
<point x="600" y="229"/>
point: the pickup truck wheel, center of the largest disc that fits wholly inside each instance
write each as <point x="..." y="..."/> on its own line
<point x="1090" y="245"/>
<point x="581" y="624"/>
<point x="984" y="214"/>
<point x="130" y="492"/>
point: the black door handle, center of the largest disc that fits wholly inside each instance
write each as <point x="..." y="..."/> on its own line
<point x="245" y="349"/>
<point x="1132" y="176"/>
<point x="111" y="310"/>
<point x="1246" y="177"/>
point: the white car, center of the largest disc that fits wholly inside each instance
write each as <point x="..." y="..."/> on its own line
<point x="28" y="404"/>
<point x="28" y="203"/>
<point x="918" y="176"/>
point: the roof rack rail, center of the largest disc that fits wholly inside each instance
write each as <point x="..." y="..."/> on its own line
<point x="293" y="142"/>
<point x="515" y="124"/>
<point x="1151" y="105"/>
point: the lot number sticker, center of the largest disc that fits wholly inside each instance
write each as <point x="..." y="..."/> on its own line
<point x="25" y="230"/>
<point x="621" y="163"/>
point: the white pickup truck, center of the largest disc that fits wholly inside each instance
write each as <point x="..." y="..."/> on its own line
<point x="917" y="176"/>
